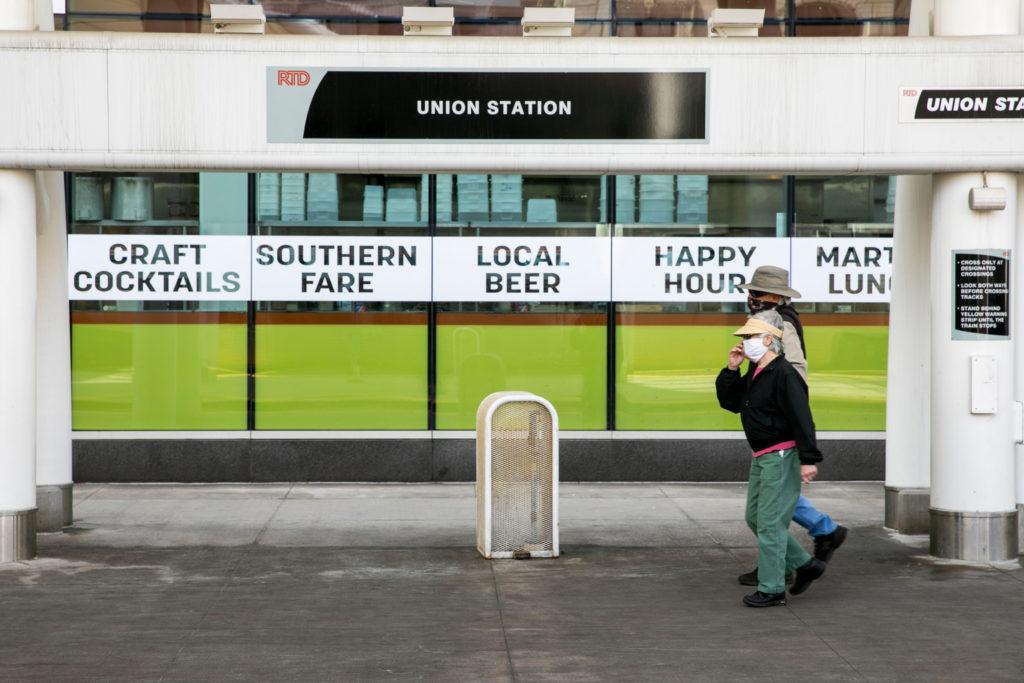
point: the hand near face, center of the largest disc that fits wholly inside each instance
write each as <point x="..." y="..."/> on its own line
<point x="736" y="356"/>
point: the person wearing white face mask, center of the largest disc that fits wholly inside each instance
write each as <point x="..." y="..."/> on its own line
<point x="769" y="290"/>
<point x="772" y="402"/>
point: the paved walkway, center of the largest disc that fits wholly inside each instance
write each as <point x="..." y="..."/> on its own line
<point x="318" y="582"/>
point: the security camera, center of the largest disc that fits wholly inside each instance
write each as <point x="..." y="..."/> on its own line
<point x="238" y="18"/>
<point x="735" y="23"/>
<point x="428" y="21"/>
<point x="548" y="22"/>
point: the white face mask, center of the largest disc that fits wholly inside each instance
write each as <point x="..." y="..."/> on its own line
<point x="754" y="348"/>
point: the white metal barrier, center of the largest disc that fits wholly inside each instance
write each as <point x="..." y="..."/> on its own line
<point x="516" y="476"/>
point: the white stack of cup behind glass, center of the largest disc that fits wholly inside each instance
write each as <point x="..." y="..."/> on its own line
<point x="657" y="196"/>
<point x="268" y="197"/>
<point x="373" y="203"/>
<point x="472" y="192"/>
<point x="322" y="197"/>
<point x="401" y="205"/>
<point x="506" y="197"/>
<point x="293" y="197"/>
<point x="692" y="199"/>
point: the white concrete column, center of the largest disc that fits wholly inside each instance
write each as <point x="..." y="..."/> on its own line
<point x="17" y="366"/>
<point x="18" y="342"/>
<point x="907" y="436"/>
<point x="53" y="362"/>
<point x="1017" y="305"/>
<point x="53" y="359"/>
<point x="973" y="513"/>
<point x="973" y="502"/>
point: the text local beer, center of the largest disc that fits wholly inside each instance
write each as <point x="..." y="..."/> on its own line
<point x="521" y="256"/>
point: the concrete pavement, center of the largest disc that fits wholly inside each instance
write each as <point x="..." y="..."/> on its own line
<point x="317" y="582"/>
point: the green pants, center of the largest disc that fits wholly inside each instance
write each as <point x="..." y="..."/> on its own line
<point x="771" y="500"/>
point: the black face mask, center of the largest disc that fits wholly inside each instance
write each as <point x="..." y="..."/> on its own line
<point x="756" y="305"/>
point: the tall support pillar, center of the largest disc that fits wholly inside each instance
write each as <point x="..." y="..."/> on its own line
<point x="907" y="453"/>
<point x="973" y="501"/>
<point x="907" y="435"/>
<point x="1018" y="347"/>
<point x="53" y="362"/>
<point x="17" y="367"/>
<point x="973" y="507"/>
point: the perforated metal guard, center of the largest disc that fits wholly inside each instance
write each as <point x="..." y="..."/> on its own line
<point x="521" y="472"/>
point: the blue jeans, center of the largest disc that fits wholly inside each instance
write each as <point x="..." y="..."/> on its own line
<point x="816" y="522"/>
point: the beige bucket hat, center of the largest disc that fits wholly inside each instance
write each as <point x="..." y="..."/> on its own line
<point x="771" y="279"/>
<point x="755" y="326"/>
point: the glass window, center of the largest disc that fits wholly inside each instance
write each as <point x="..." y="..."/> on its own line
<point x="845" y="206"/>
<point x="693" y="9"/>
<point x="873" y="28"/>
<point x="337" y="364"/>
<point x="667" y="362"/>
<point x="852" y="9"/>
<point x="700" y="205"/>
<point x="556" y="349"/>
<point x="338" y="8"/>
<point x="159" y="364"/>
<point x="359" y="28"/>
<point x="587" y="29"/>
<point x="138" y="25"/>
<point x="847" y="341"/>
<point x="513" y="9"/>
<point x="682" y="29"/>
<point x="478" y="204"/>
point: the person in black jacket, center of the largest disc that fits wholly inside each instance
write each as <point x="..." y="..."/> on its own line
<point x="772" y="402"/>
<point x="769" y="290"/>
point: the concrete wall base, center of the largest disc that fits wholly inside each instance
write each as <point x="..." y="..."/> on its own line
<point x="17" y="536"/>
<point x="906" y="509"/>
<point x="1020" y="528"/>
<point x="54" y="508"/>
<point x="974" y="536"/>
<point x="416" y="460"/>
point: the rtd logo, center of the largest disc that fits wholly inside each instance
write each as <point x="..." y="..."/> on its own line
<point x="292" y="77"/>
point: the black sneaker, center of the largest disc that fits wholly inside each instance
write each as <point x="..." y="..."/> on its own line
<point x="759" y="599"/>
<point x="806" y="574"/>
<point x="750" y="578"/>
<point x="824" y="546"/>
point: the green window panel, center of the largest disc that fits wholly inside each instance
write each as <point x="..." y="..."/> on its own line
<point x="666" y="377"/>
<point x="158" y="376"/>
<point x="563" y="363"/>
<point x="341" y="376"/>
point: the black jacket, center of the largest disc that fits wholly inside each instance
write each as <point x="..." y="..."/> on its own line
<point x="773" y="407"/>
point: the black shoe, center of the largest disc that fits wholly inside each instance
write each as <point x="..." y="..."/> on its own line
<point x="824" y="546"/>
<point x="759" y="599"/>
<point x="750" y="578"/>
<point x="806" y="574"/>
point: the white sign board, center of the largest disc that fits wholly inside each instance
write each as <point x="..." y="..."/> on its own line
<point x="522" y="268"/>
<point x="158" y="267"/>
<point x="690" y="269"/>
<point x="340" y="268"/>
<point x="829" y="269"/>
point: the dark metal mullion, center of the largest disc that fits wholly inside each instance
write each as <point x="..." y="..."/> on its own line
<point x="610" y="383"/>
<point x="790" y="187"/>
<point x="250" y="320"/>
<point x="68" y="198"/>
<point x="432" y="309"/>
